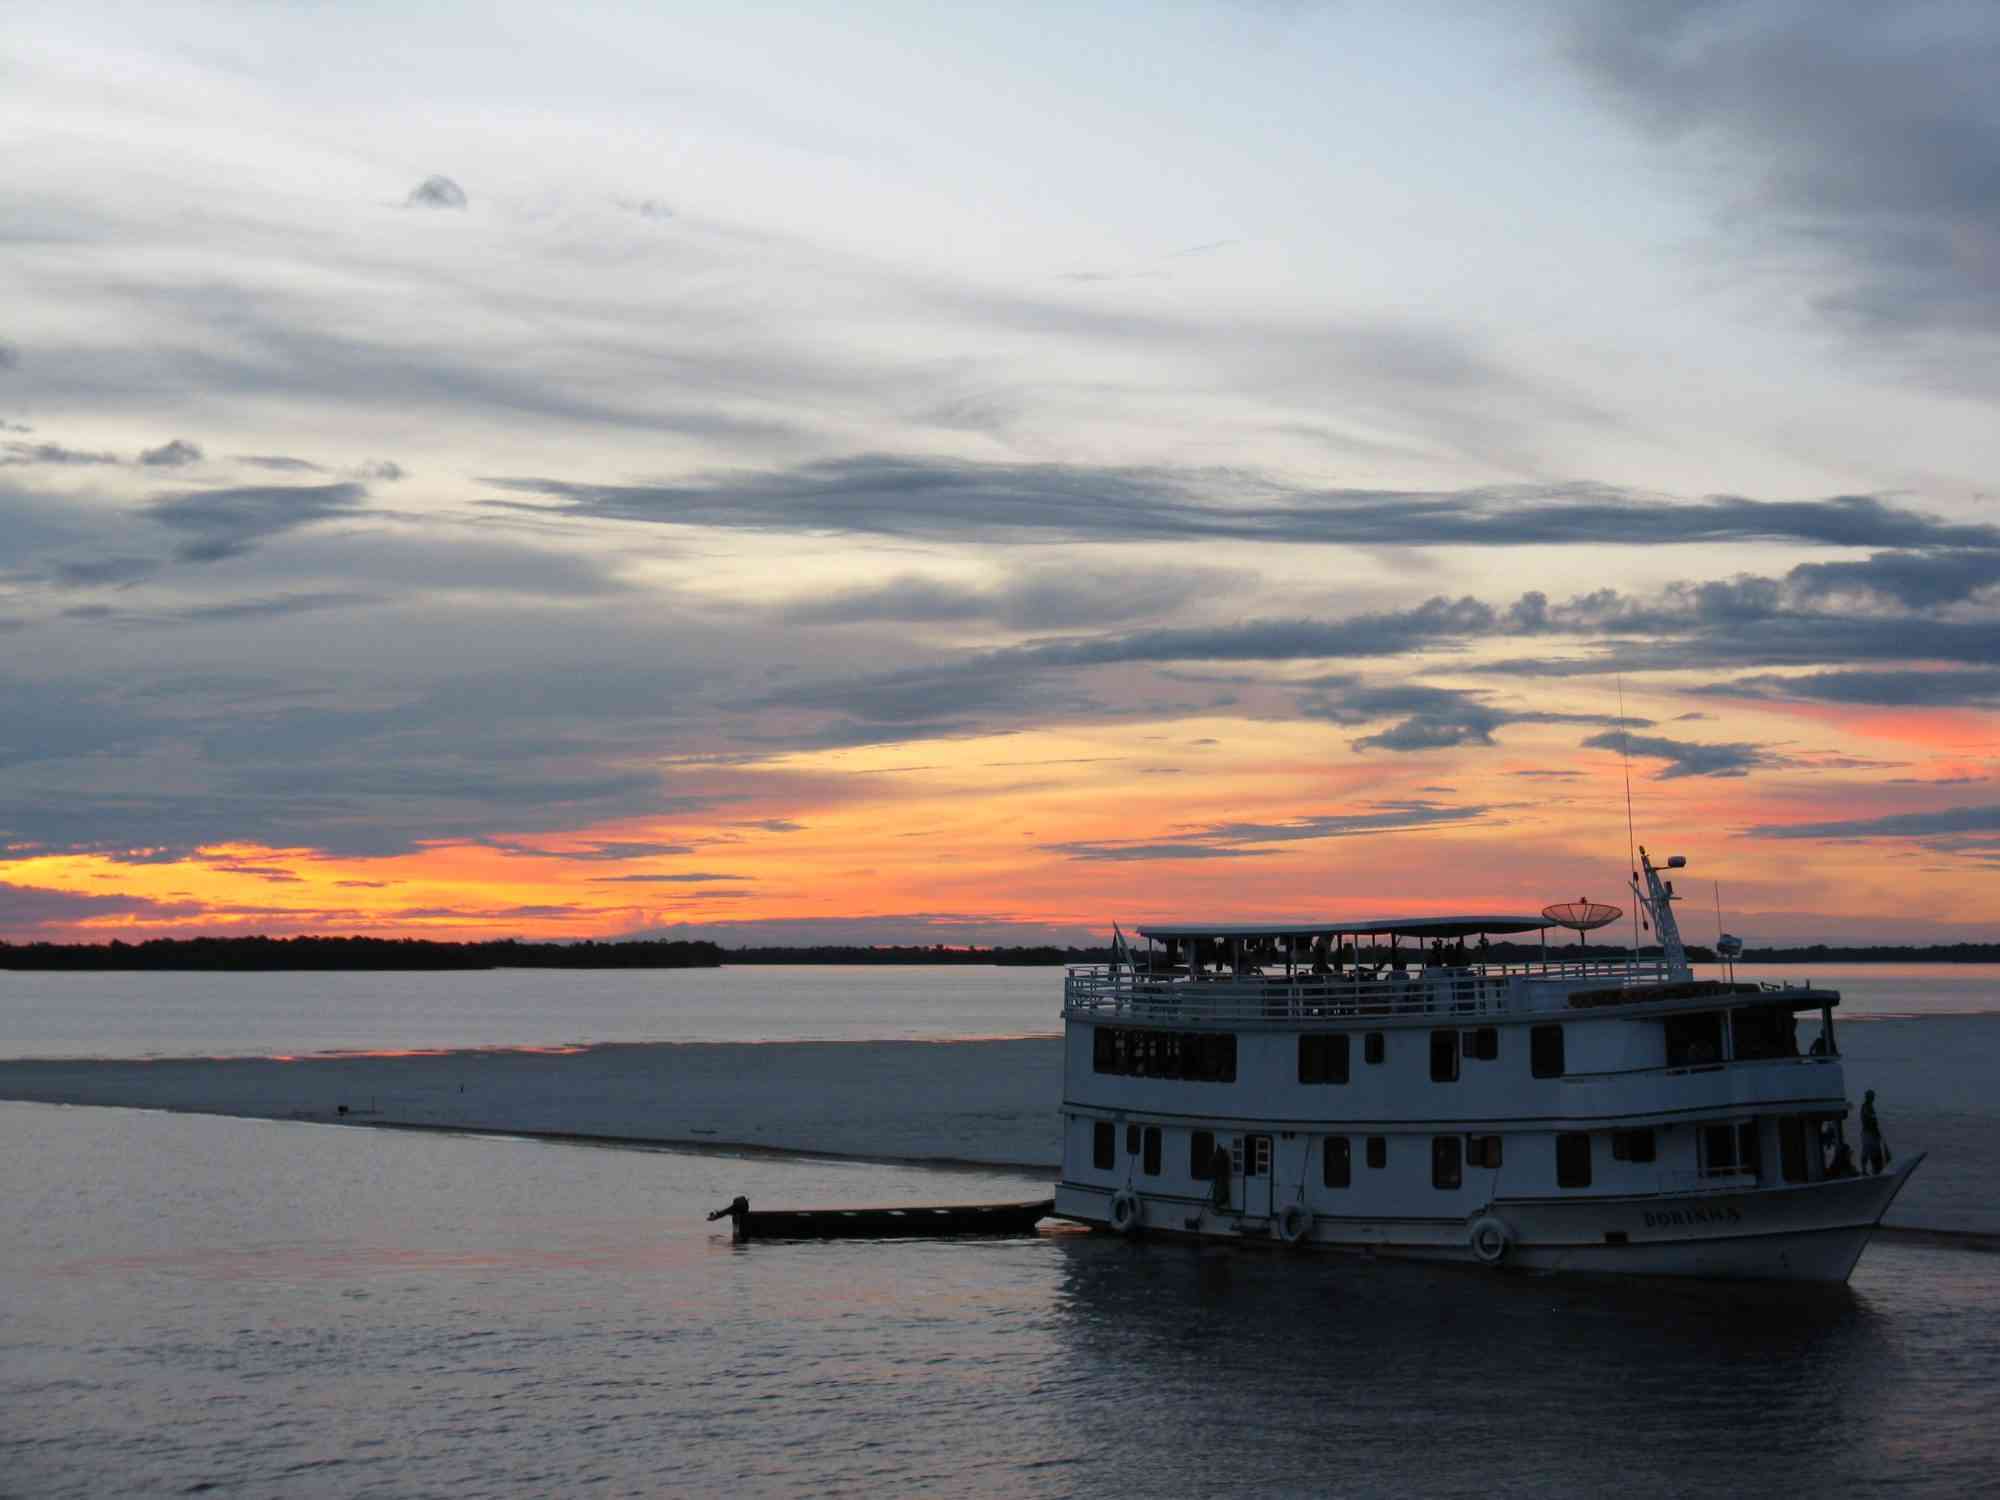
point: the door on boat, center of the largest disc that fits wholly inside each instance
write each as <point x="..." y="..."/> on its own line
<point x="1250" y="1175"/>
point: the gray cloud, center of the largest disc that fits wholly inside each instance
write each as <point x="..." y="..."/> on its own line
<point x="26" y="910"/>
<point x="104" y="571"/>
<point x="1433" y="718"/>
<point x="1436" y="621"/>
<point x="946" y="499"/>
<point x="227" y="522"/>
<point x="10" y="357"/>
<point x="272" y="608"/>
<point x="280" y="463"/>
<point x="695" y="877"/>
<point x="173" y="454"/>
<point x="1915" y="580"/>
<point x="1124" y="853"/>
<point x="1901" y="689"/>
<point x="1039" y="599"/>
<point x="51" y="453"/>
<point x="1866" y="137"/>
<point x="387" y="470"/>
<point x="436" y="192"/>
<point x="607" y="852"/>
<point x="958" y="929"/>
<point x="1950" y="820"/>
<point x="1684" y="758"/>
<point x="1247" y="840"/>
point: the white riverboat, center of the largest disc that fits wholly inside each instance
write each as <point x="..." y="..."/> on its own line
<point x="1393" y="1086"/>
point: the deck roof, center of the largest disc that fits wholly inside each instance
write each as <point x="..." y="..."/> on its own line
<point x="1417" y="927"/>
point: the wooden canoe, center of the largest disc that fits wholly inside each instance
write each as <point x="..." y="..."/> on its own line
<point x="919" y="1222"/>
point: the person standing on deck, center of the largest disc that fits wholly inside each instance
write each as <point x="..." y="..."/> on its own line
<point x="1874" y="1150"/>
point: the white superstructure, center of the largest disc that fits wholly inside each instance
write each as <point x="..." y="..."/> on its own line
<point x="1392" y="1086"/>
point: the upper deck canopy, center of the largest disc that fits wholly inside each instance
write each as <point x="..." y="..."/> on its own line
<point x="1416" y="927"/>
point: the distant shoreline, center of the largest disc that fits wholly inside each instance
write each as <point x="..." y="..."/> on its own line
<point x="378" y="955"/>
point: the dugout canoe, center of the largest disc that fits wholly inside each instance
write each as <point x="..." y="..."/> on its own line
<point x="921" y="1221"/>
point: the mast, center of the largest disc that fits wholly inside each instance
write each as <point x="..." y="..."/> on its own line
<point x="1658" y="897"/>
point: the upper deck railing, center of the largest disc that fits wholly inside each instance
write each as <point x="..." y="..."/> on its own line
<point x="1102" y="993"/>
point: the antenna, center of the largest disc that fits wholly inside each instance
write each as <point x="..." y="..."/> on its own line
<point x="1631" y="839"/>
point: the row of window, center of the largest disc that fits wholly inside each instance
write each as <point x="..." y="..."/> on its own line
<point x="1141" y="1052"/>
<point x="1324" y="1057"/>
<point x="1726" y="1149"/>
<point x="1449" y="1154"/>
<point x="1692" y="1041"/>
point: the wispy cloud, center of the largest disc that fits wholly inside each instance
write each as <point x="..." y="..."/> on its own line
<point x="1685" y="758"/>
<point x="942" y="499"/>
<point x="174" y="454"/>
<point x="1252" y="840"/>
<point x="226" y="522"/>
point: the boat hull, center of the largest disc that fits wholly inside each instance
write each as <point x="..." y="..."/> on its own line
<point x="1808" y="1232"/>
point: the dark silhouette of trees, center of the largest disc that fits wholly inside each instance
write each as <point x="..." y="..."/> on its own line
<point x="249" y="954"/>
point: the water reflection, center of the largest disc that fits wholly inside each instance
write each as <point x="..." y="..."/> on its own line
<point x="1334" y="1367"/>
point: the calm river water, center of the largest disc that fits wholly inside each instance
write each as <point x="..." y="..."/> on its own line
<point x="200" y="1305"/>
<point x="191" y="1305"/>
<point x="231" y="1015"/>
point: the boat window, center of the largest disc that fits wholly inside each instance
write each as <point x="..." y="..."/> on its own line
<point x="1371" y="1047"/>
<point x="1545" y="1051"/>
<point x="1729" y="1150"/>
<point x="1220" y="1057"/>
<point x="1792" y="1147"/>
<point x="1323" y="1058"/>
<point x="1336" y="1162"/>
<point x="1378" y="1151"/>
<point x="1764" y="1031"/>
<point x="1632" y="1145"/>
<point x="1573" y="1160"/>
<point x="1103" y="1147"/>
<point x="1131" y="1140"/>
<point x="1482" y="1043"/>
<point x="1445" y="1170"/>
<point x="1149" y="1160"/>
<point x="1693" y="1040"/>
<point x="1201" y="1155"/>
<point x="1444" y="1057"/>
<point x="1482" y="1150"/>
<point x="1142" y="1052"/>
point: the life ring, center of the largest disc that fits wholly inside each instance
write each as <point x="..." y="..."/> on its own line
<point x="1491" y="1239"/>
<point x="1125" y="1215"/>
<point x="1294" y="1224"/>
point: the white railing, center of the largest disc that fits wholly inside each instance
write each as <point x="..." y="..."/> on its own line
<point x="1100" y="992"/>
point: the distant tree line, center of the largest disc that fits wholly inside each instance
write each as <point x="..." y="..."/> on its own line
<point x="1816" y="953"/>
<point x="337" y="953"/>
<point x="834" y="953"/>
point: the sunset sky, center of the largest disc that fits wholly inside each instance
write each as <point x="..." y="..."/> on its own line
<point x="972" y="474"/>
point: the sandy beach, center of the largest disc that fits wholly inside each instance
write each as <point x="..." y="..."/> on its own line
<point x="989" y="1102"/>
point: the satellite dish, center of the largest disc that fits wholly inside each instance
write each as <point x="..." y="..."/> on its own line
<point x="1581" y="916"/>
